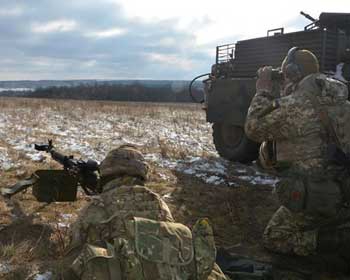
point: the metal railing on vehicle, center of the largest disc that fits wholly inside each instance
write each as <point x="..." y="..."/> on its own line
<point x="225" y="53"/>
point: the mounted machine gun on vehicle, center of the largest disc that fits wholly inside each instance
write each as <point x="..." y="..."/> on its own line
<point x="59" y="185"/>
<point x="230" y="86"/>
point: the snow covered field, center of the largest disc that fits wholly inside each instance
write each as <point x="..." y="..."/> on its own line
<point x="172" y="136"/>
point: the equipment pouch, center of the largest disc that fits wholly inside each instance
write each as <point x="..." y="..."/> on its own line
<point x="324" y="197"/>
<point x="171" y="243"/>
<point x="291" y="193"/>
<point x="163" y="250"/>
<point x="316" y="196"/>
<point x="96" y="262"/>
<point x="54" y="185"/>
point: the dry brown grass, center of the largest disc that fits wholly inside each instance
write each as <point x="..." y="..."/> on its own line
<point x="98" y="125"/>
<point x="40" y="119"/>
<point x="171" y="131"/>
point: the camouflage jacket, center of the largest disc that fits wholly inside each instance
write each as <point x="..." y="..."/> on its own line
<point x="138" y="228"/>
<point x="117" y="203"/>
<point x="293" y="123"/>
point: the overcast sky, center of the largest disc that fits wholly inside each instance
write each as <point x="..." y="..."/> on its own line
<point x="135" y="39"/>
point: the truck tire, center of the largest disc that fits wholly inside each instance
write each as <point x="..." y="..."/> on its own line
<point x="232" y="143"/>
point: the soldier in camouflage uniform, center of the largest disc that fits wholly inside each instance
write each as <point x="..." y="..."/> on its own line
<point x="129" y="233"/>
<point x="311" y="188"/>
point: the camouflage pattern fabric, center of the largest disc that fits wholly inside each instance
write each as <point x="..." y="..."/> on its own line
<point x="94" y="220"/>
<point x="300" y="139"/>
<point x="124" y="160"/>
<point x="94" y="263"/>
<point x="294" y="124"/>
<point x="285" y="233"/>
<point x="140" y="240"/>
<point x="217" y="274"/>
<point x="203" y="240"/>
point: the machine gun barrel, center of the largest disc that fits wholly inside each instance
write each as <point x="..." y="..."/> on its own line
<point x="68" y="162"/>
<point x="60" y="158"/>
<point x="308" y="16"/>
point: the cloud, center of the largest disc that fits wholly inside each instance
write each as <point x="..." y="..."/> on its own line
<point x="170" y="60"/>
<point x="111" y="39"/>
<point x="10" y="12"/>
<point x="80" y="39"/>
<point x="54" y="26"/>
<point x="113" y="32"/>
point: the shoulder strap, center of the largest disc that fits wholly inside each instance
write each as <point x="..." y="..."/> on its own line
<point x="19" y="186"/>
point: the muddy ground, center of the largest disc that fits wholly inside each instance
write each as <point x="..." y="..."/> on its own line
<point x="185" y="171"/>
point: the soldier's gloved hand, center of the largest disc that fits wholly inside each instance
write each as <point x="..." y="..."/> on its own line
<point x="264" y="82"/>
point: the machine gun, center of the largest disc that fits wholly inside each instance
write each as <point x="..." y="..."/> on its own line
<point x="330" y="21"/>
<point x="59" y="185"/>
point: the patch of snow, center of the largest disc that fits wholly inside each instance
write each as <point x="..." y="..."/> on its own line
<point x="203" y="165"/>
<point x="6" y="163"/>
<point x="242" y="170"/>
<point x="215" y="180"/>
<point x="194" y="159"/>
<point x="169" y="163"/>
<point x="39" y="157"/>
<point x="65" y="220"/>
<point x="92" y="135"/>
<point x="163" y="176"/>
<point x="5" y="268"/>
<point x="25" y="147"/>
<point x="210" y="171"/>
<point x="260" y="180"/>
<point x="67" y="216"/>
<point x="189" y="171"/>
<point x="167" y="196"/>
<point x="7" y="166"/>
<point x="46" y="276"/>
<point x="63" y="225"/>
<point x="215" y="170"/>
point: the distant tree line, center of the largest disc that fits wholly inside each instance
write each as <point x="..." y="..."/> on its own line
<point x="118" y="92"/>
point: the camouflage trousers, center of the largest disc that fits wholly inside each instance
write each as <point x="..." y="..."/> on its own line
<point x="285" y="233"/>
<point x="309" y="202"/>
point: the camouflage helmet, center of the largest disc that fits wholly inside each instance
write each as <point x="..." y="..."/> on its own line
<point x="124" y="160"/>
<point x="299" y="63"/>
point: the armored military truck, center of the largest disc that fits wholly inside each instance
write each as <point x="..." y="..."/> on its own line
<point x="230" y="86"/>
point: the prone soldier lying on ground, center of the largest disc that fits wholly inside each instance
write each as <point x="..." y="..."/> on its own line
<point x="128" y="231"/>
